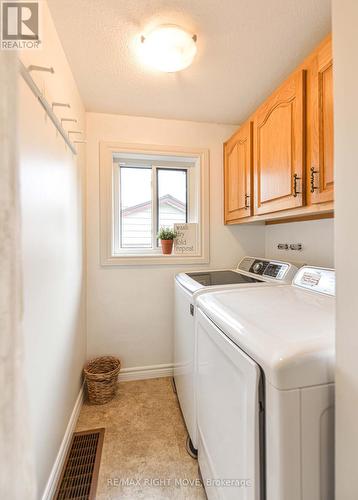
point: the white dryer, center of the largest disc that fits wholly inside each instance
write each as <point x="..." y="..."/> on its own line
<point x="189" y="286"/>
<point x="265" y="390"/>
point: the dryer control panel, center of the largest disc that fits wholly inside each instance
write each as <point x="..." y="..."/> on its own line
<point x="316" y="279"/>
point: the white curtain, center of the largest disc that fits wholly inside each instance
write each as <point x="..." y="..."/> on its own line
<point x="16" y="471"/>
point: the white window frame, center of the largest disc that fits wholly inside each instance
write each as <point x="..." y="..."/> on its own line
<point x="198" y="195"/>
<point x="154" y="166"/>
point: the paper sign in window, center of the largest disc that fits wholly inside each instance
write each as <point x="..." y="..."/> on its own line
<point x="186" y="240"/>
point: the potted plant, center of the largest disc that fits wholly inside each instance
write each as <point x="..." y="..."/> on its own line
<point x="166" y="236"/>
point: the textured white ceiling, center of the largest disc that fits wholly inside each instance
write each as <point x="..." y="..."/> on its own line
<point x="245" y="49"/>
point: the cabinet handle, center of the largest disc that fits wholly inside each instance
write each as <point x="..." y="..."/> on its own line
<point x="313" y="172"/>
<point x="295" y="182"/>
<point x="247" y="205"/>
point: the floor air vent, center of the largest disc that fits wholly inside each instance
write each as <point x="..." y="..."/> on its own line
<point x="80" y="471"/>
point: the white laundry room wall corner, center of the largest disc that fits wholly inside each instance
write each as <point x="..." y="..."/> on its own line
<point x="130" y="309"/>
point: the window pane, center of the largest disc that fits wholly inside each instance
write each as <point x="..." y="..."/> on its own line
<point x="172" y="197"/>
<point x="135" y="207"/>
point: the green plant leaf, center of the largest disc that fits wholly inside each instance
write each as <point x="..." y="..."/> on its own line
<point x="165" y="233"/>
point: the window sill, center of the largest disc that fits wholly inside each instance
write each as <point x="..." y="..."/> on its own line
<point x="153" y="259"/>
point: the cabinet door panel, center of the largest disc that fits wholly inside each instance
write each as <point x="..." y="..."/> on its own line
<point x="237" y="178"/>
<point x="320" y="182"/>
<point x="237" y="173"/>
<point x="322" y="155"/>
<point x="275" y="143"/>
<point x="326" y="133"/>
<point x="279" y="148"/>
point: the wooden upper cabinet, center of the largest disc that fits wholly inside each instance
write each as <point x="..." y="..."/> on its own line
<point x="281" y="163"/>
<point x="320" y="172"/>
<point x="237" y="174"/>
<point x="279" y="153"/>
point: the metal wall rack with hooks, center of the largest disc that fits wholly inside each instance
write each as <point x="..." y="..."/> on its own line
<point x="25" y="73"/>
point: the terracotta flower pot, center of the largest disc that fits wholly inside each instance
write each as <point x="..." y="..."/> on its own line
<point x="167" y="246"/>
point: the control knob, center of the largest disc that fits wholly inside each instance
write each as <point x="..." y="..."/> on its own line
<point x="257" y="267"/>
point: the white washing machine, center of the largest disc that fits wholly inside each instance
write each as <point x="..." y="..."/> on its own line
<point x="189" y="286"/>
<point x="265" y="390"/>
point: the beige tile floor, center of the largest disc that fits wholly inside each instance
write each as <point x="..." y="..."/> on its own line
<point x="144" y="455"/>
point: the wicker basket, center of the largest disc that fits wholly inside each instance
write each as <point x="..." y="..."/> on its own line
<point x="101" y="379"/>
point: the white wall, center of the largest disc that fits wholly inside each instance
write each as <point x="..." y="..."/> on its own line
<point x="52" y="236"/>
<point x="317" y="238"/>
<point x="345" y="47"/>
<point x="129" y="310"/>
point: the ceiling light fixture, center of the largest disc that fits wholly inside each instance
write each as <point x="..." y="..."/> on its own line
<point x="168" y="48"/>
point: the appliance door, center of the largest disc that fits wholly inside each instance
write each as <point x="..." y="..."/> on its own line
<point x="229" y="415"/>
<point x="184" y="358"/>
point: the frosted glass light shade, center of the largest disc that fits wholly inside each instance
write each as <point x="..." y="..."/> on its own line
<point x="168" y="48"/>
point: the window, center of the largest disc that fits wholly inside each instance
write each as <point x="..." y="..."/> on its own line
<point x="135" y="207"/>
<point x="149" y="197"/>
<point x="144" y="191"/>
<point x="172" y="197"/>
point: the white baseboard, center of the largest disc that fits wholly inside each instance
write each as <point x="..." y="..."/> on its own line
<point x="57" y="466"/>
<point x="145" y="372"/>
